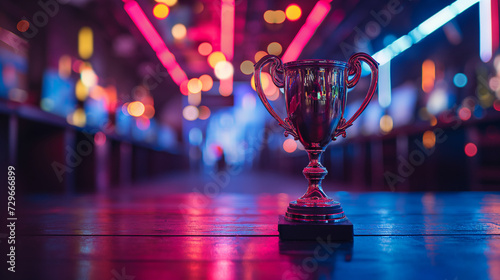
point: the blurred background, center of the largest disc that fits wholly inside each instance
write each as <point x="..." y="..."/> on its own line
<point x="95" y="95"/>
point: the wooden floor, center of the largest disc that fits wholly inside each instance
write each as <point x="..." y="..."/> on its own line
<point x="185" y="227"/>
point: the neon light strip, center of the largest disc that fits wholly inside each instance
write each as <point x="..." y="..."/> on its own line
<point x="227" y="42"/>
<point x="227" y="29"/>
<point x="151" y="35"/>
<point x="494" y="24"/>
<point x="420" y="32"/>
<point x="384" y="85"/>
<point x="485" y="31"/>
<point x="404" y="42"/>
<point x="307" y="30"/>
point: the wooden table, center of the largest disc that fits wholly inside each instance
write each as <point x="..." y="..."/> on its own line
<point x="163" y="230"/>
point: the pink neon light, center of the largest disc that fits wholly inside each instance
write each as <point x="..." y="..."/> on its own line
<point x="494" y="24"/>
<point x="227" y="42"/>
<point x="227" y="28"/>
<point x="305" y="33"/>
<point x="149" y="32"/>
<point x="141" y="21"/>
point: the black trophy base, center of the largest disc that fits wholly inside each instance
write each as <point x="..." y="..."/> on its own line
<point x="340" y="231"/>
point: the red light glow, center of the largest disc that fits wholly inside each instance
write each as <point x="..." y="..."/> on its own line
<point x="23" y="25"/>
<point x="494" y="24"/>
<point x="289" y="145"/>
<point x="204" y="112"/>
<point x="184" y="87"/>
<point x="470" y="149"/>
<point x="205" y="48"/>
<point x="496" y="105"/>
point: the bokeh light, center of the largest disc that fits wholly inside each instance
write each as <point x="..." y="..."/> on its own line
<point x="274" y="17"/>
<point x="125" y="109"/>
<point x="85" y="42"/>
<point x="161" y="11"/>
<point x="23" y="25"/>
<point x="195" y="136"/>
<point x="100" y="138"/>
<point x="194" y="85"/>
<point x="494" y="83"/>
<point x="386" y="123"/>
<point x="190" y="113"/>
<point x="223" y="70"/>
<point x="88" y="77"/>
<point x="496" y="105"/>
<point x="429" y="139"/>
<point x="79" y="118"/>
<point x="460" y="80"/>
<point x="428" y="75"/>
<point x="269" y="16"/>
<point x="179" y="31"/>
<point x="207" y="82"/>
<point x="184" y="87"/>
<point x="215" y="58"/>
<point x="464" y="113"/>
<point x="77" y="66"/>
<point x="259" y="55"/>
<point x="198" y="7"/>
<point x="205" y="48"/>
<point x="81" y="91"/>
<point x="136" y="108"/>
<point x="246" y="67"/>
<point x="279" y="16"/>
<point x="64" y="66"/>
<point x="204" y="112"/>
<point x="470" y="149"/>
<point x="274" y="48"/>
<point x="293" y="12"/>
<point x="289" y="145"/>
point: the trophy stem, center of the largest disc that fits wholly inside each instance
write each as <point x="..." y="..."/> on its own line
<point x="315" y="172"/>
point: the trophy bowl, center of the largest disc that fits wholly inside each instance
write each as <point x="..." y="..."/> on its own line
<point x="315" y="95"/>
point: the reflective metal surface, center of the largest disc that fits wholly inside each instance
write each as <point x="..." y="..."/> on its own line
<point x="315" y="99"/>
<point x="315" y="94"/>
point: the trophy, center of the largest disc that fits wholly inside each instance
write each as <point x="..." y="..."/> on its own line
<point x="315" y="95"/>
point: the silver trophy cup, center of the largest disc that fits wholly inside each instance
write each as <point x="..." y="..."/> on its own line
<point x="315" y="94"/>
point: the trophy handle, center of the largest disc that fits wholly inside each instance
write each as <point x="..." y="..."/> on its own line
<point x="355" y="69"/>
<point x="277" y="71"/>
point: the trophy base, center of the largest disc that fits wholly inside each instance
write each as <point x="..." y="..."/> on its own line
<point x="338" y="231"/>
<point x="330" y="212"/>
